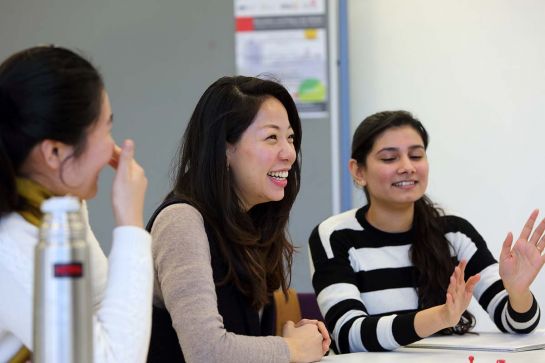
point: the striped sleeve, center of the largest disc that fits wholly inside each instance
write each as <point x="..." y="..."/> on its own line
<point x="352" y="328"/>
<point x="468" y="244"/>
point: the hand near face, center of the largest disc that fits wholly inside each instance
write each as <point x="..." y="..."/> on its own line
<point x="459" y="294"/>
<point x="520" y="264"/>
<point x="129" y="186"/>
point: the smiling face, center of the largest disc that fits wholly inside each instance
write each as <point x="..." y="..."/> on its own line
<point x="260" y="161"/>
<point x="396" y="170"/>
<point x="80" y="174"/>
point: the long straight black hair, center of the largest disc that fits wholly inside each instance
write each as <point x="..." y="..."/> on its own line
<point x="254" y="244"/>
<point x="46" y="92"/>
<point x="430" y="250"/>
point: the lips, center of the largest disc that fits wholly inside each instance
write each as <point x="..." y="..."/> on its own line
<point x="279" y="178"/>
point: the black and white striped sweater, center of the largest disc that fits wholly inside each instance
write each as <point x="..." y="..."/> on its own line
<point x="366" y="286"/>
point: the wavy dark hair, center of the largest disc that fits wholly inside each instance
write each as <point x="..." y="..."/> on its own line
<point x="254" y="243"/>
<point x="46" y="92"/>
<point x="430" y="250"/>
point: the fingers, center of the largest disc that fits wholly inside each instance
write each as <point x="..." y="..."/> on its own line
<point x="126" y="156"/>
<point x="538" y="233"/>
<point x="306" y="321"/>
<point x="471" y="282"/>
<point x="289" y="324"/>
<point x="506" y="246"/>
<point x="326" y="340"/>
<point x="114" y="161"/>
<point x="541" y="244"/>
<point x="529" y="225"/>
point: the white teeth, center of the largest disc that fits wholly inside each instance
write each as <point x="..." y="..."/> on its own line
<point x="404" y="183"/>
<point x="278" y="174"/>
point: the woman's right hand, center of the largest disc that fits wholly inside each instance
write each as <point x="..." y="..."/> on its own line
<point x="459" y="293"/>
<point x="129" y="187"/>
<point x="304" y="342"/>
<point x="431" y="320"/>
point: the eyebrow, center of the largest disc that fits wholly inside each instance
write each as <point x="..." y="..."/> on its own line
<point x="393" y="149"/>
<point x="273" y="126"/>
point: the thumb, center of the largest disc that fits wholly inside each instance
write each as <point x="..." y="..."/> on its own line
<point x="126" y="156"/>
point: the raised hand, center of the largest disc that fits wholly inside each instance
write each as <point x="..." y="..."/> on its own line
<point x="459" y="294"/>
<point x="520" y="264"/>
<point x="129" y="187"/>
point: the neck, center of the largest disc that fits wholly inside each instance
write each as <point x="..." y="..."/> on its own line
<point x="391" y="219"/>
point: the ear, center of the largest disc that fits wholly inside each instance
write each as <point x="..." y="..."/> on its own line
<point x="358" y="172"/>
<point x="54" y="152"/>
<point x="229" y="150"/>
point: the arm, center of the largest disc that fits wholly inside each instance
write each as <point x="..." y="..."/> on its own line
<point x="351" y="326"/>
<point x="97" y="259"/>
<point x="519" y="266"/>
<point x="490" y="292"/>
<point x="182" y="258"/>
<point x="122" y="323"/>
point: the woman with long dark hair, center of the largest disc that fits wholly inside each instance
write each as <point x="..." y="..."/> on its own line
<point x="394" y="271"/>
<point x="55" y="138"/>
<point x="220" y="240"/>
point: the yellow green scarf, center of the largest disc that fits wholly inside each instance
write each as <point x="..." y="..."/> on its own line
<point x="22" y="356"/>
<point x="33" y="194"/>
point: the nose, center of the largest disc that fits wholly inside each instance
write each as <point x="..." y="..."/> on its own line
<point x="406" y="166"/>
<point x="287" y="152"/>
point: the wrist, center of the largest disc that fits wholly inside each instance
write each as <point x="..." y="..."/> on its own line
<point x="521" y="302"/>
<point x="292" y="349"/>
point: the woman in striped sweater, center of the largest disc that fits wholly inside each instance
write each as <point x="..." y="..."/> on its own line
<point x="398" y="269"/>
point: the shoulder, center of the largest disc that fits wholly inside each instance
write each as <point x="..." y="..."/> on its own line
<point x="18" y="238"/>
<point x="453" y="224"/>
<point x="342" y="221"/>
<point x="177" y="213"/>
<point x="178" y="225"/>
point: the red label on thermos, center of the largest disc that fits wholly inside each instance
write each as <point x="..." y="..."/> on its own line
<point x="73" y="269"/>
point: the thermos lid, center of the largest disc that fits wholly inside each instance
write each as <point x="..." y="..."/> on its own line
<point x="60" y="204"/>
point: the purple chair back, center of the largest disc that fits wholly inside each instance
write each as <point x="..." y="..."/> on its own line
<point x="309" y="306"/>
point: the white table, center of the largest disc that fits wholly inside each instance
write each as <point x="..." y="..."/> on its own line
<point x="420" y="355"/>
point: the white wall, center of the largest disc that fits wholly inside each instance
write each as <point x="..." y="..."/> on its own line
<point x="474" y="73"/>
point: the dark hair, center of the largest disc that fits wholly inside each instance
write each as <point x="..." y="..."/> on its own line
<point x="254" y="244"/>
<point x="46" y="92"/>
<point x="430" y="251"/>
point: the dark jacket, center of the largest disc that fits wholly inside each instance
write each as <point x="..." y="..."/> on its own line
<point x="238" y="315"/>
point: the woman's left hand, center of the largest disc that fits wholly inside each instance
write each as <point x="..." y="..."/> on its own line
<point x="520" y="265"/>
<point x="321" y="328"/>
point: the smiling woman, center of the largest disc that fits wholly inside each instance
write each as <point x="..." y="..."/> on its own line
<point x="392" y="272"/>
<point x="261" y="159"/>
<point x="220" y="244"/>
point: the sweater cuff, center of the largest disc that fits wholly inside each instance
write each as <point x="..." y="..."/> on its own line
<point x="525" y="316"/>
<point x="403" y="328"/>
<point x="131" y="235"/>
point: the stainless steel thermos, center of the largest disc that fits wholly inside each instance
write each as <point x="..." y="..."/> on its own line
<point x="62" y="287"/>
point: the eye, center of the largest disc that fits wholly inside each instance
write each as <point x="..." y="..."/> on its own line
<point x="272" y="137"/>
<point x="416" y="156"/>
<point x="388" y="159"/>
<point x="291" y="138"/>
